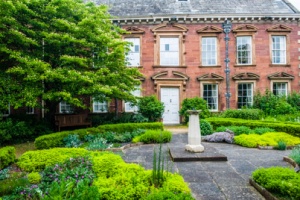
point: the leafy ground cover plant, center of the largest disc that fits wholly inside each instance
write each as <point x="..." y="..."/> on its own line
<point x="267" y="139"/>
<point x="154" y="136"/>
<point x="295" y="154"/>
<point x="283" y="182"/>
<point x="72" y="140"/>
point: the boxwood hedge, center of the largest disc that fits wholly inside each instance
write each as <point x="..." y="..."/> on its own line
<point x="56" y="139"/>
<point x="292" y="128"/>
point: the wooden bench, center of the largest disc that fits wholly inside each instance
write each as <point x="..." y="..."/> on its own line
<point x="71" y="120"/>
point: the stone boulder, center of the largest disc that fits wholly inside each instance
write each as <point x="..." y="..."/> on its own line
<point x="219" y="137"/>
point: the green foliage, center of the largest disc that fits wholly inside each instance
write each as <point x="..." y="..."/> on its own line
<point x="56" y="139"/>
<point x="165" y="195"/>
<point x="34" y="177"/>
<point x="243" y="114"/>
<point x="4" y="173"/>
<point x="72" y="140"/>
<point x="7" y="156"/>
<point x="295" y="154"/>
<point x="38" y="160"/>
<point x="236" y="129"/>
<point x="283" y="182"/>
<point x="271" y="104"/>
<point x="151" y="108"/>
<point x="267" y="139"/>
<point x="154" y="136"/>
<point x="98" y="143"/>
<point x="262" y="130"/>
<point x="158" y="168"/>
<point x="15" y="180"/>
<point x="110" y="118"/>
<point x="206" y="128"/>
<point x="288" y="127"/>
<point x="195" y="103"/>
<point x="72" y="54"/>
<point x="281" y="145"/>
<point x="294" y="100"/>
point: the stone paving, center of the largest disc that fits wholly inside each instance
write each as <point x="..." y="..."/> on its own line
<point x="210" y="180"/>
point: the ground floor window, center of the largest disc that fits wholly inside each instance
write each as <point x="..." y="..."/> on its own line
<point x="129" y="107"/>
<point x="65" y="107"/>
<point x="100" y="107"/>
<point x="29" y="110"/>
<point x="280" y="88"/>
<point x="210" y="95"/>
<point x="245" y="94"/>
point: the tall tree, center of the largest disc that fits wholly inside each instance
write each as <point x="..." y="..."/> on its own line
<point x="60" y="50"/>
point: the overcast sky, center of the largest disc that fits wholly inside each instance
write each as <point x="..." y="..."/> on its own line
<point x="296" y="3"/>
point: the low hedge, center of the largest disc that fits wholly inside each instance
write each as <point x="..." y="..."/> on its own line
<point x="283" y="182"/>
<point x="7" y="156"/>
<point x="288" y="127"/>
<point x="35" y="161"/>
<point x="254" y="114"/>
<point x="56" y="139"/>
<point x="266" y="139"/>
<point x="154" y="136"/>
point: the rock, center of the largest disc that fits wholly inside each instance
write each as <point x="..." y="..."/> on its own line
<point x="194" y="148"/>
<point x="219" y="137"/>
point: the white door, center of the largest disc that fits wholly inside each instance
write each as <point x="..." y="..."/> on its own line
<point x="170" y="98"/>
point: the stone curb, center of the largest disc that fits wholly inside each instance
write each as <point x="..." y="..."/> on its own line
<point x="291" y="161"/>
<point x="265" y="193"/>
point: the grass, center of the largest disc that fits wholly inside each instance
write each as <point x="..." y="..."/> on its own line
<point x="23" y="147"/>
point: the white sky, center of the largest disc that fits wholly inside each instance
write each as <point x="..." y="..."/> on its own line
<point x="296" y="3"/>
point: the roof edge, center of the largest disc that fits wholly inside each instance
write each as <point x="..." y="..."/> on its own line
<point x="292" y="7"/>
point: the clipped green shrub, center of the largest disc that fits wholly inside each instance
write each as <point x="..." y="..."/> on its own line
<point x="7" y="156"/>
<point x="206" y="128"/>
<point x="34" y="161"/>
<point x="295" y="154"/>
<point x="283" y="182"/>
<point x="267" y="139"/>
<point x="154" y="136"/>
<point x="151" y="108"/>
<point x="34" y="177"/>
<point x="254" y="114"/>
<point x="195" y="103"/>
<point x="56" y="139"/>
<point x="288" y="127"/>
<point x="163" y="195"/>
<point x="262" y="130"/>
<point x="238" y="130"/>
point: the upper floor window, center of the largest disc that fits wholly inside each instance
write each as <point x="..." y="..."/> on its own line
<point x="280" y="88"/>
<point x="100" y="107"/>
<point x="133" y="58"/>
<point x="169" y="51"/>
<point x="209" y="51"/>
<point x="65" y="107"/>
<point x="128" y="105"/>
<point x="244" y="50"/>
<point x="210" y="95"/>
<point x="278" y="49"/>
<point x="245" y="94"/>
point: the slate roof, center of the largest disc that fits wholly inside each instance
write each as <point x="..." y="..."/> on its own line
<point x="131" y="8"/>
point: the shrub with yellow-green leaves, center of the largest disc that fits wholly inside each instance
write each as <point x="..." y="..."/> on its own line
<point x="37" y="160"/>
<point x="267" y="139"/>
<point x="7" y="156"/>
<point x="34" y="177"/>
<point x="154" y="136"/>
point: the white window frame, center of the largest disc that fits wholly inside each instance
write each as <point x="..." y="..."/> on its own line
<point x="214" y="97"/>
<point x="65" y="107"/>
<point x="134" y="52"/>
<point x="30" y="110"/>
<point x="286" y="89"/>
<point x="209" y="48"/>
<point x="100" y="107"/>
<point x="241" y="41"/>
<point x="169" y="48"/>
<point x="279" y="49"/>
<point x="127" y="105"/>
<point x="249" y="94"/>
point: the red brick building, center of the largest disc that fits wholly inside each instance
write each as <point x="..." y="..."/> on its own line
<point x="179" y="46"/>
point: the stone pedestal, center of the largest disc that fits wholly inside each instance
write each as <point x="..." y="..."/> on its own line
<point x="194" y="134"/>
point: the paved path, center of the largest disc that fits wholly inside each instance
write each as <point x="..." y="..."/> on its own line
<point x="215" y="180"/>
